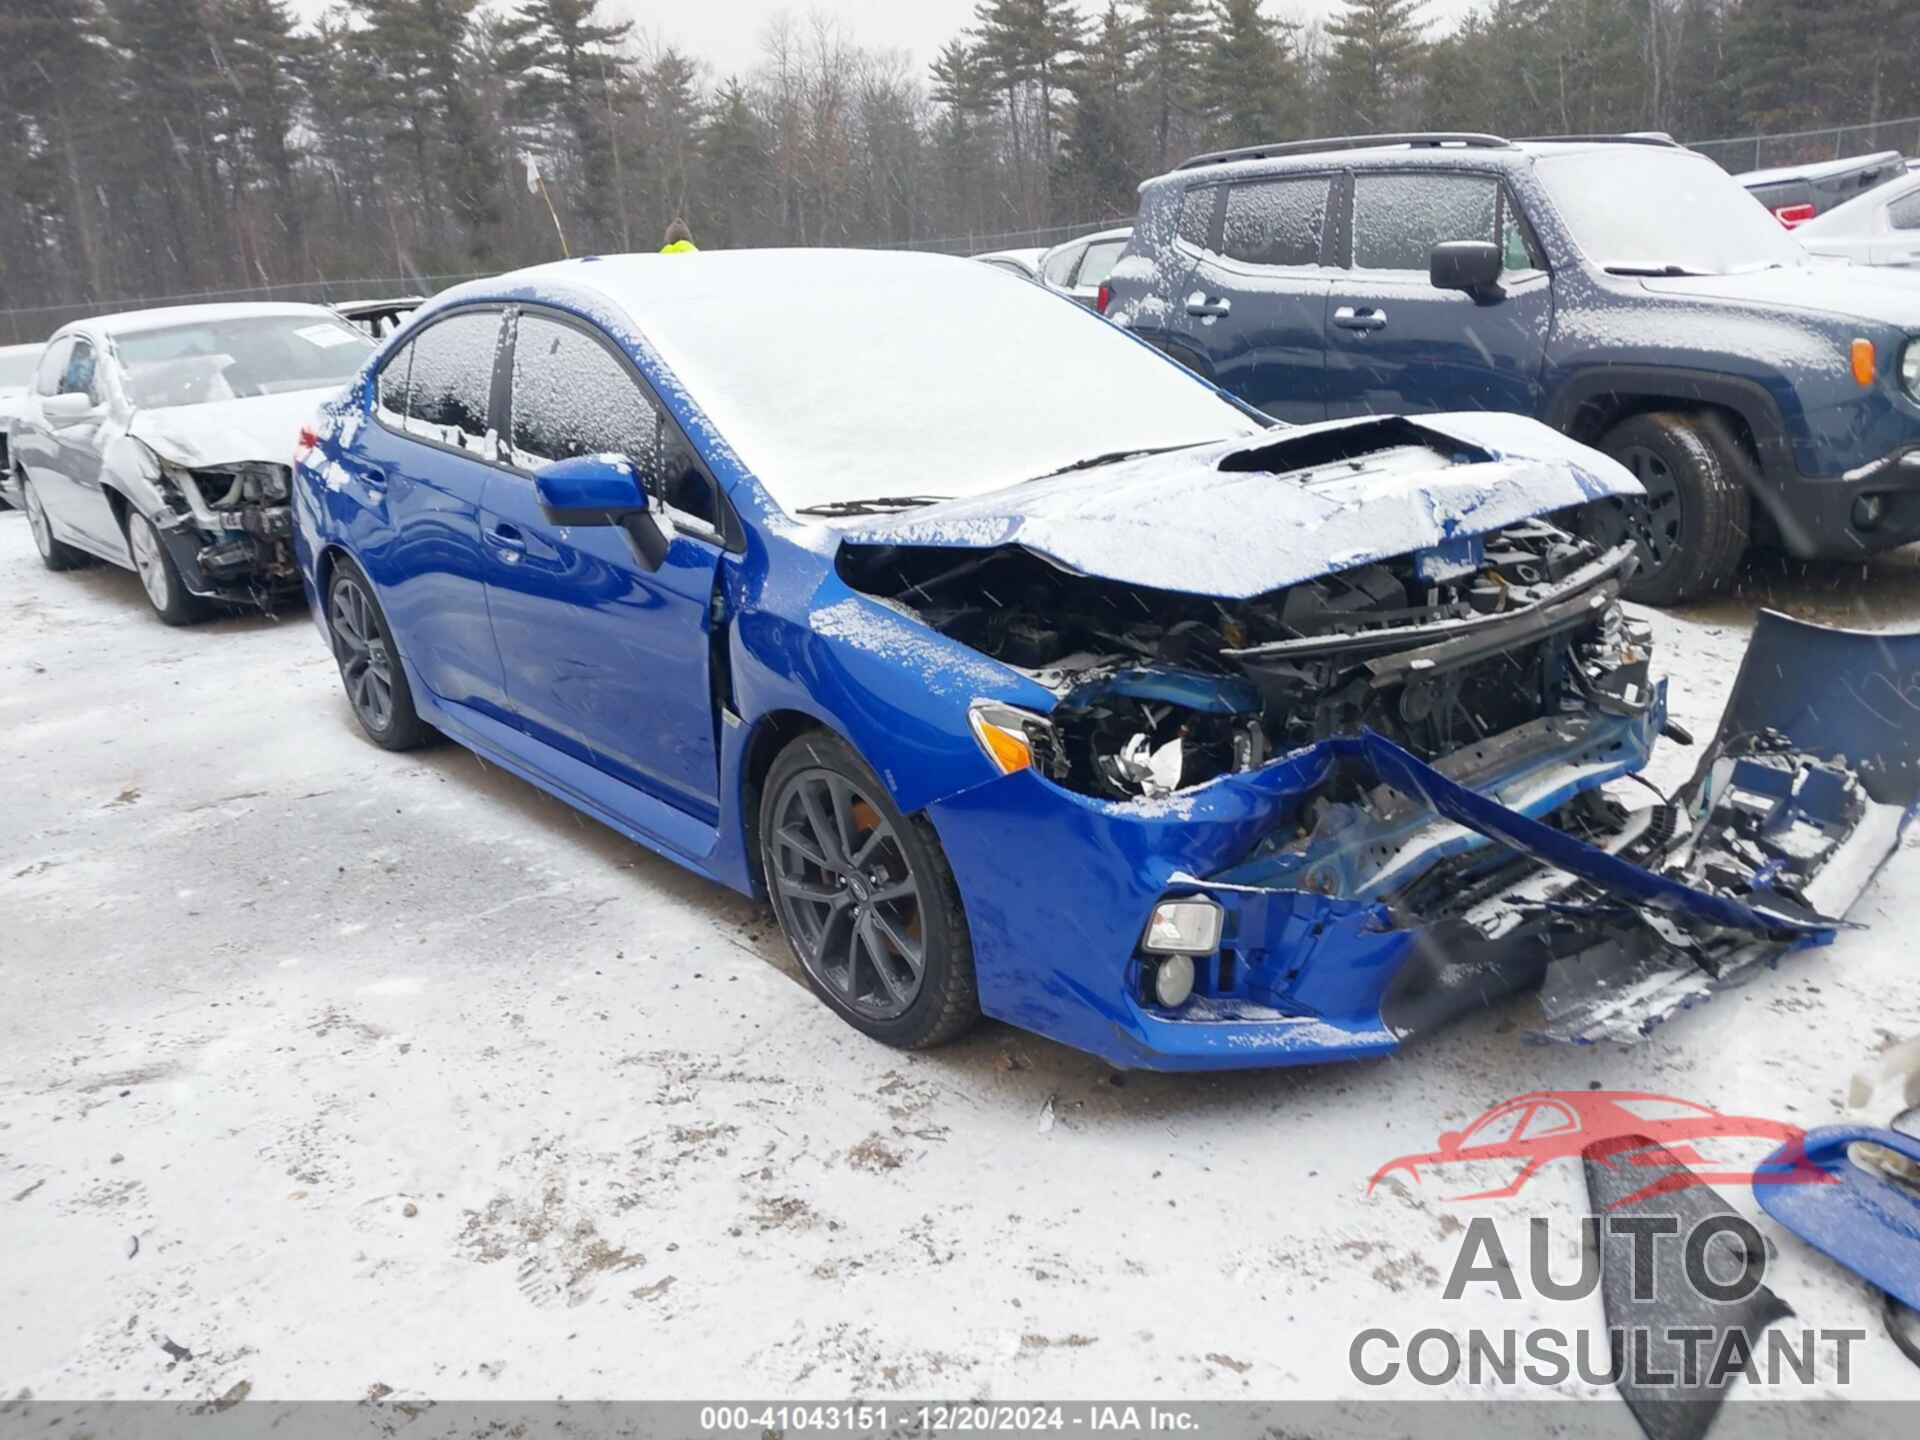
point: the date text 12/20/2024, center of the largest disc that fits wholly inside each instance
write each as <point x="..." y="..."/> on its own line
<point x="939" y="1419"/>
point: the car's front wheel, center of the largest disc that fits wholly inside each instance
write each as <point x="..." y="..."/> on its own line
<point x="1691" y="530"/>
<point x="159" y="576"/>
<point x="865" y="897"/>
<point x="370" y="668"/>
<point x="54" y="554"/>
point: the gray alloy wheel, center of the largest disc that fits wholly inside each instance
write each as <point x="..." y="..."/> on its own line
<point x="148" y="562"/>
<point x="370" y="668"/>
<point x="847" y="895"/>
<point x="366" y="661"/>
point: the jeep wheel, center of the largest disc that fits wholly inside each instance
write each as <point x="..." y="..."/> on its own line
<point x="1692" y="527"/>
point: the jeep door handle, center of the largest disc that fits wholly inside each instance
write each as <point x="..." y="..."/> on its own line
<point x="1199" y="304"/>
<point x="1348" y="318"/>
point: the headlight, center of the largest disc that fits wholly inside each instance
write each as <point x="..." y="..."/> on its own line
<point x="1009" y="735"/>
<point x="1184" y="927"/>
<point x="1910" y="368"/>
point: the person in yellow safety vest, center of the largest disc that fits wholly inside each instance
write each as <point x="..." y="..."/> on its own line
<point x="679" y="239"/>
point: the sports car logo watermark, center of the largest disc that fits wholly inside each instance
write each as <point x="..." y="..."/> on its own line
<point x="1618" y="1128"/>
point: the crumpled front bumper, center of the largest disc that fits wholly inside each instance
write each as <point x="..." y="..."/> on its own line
<point x="1321" y="959"/>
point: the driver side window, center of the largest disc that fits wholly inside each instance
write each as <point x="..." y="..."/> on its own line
<point x="52" y="368"/>
<point x="81" y="377"/>
<point x="1399" y="218"/>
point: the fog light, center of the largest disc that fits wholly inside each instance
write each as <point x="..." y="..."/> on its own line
<point x="1184" y="927"/>
<point x="1173" y="981"/>
<point x="1868" y="510"/>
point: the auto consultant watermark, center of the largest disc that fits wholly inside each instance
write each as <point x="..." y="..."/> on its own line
<point x="1680" y="1275"/>
<point x="1720" y="1261"/>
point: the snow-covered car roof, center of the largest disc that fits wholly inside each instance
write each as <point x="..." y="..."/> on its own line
<point x="842" y="375"/>
<point x="127" y="321"/>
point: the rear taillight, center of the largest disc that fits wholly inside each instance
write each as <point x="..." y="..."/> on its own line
<point x="309" y="438"/>
<point x="1792" y="215"/>
<point x="1103" y="298"/>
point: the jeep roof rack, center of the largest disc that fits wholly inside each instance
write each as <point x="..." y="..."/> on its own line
<point x="1636" y="137"/>
<point x="1434" y="139"/>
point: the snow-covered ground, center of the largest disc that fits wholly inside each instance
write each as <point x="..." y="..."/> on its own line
<point x="326" y="1069"/>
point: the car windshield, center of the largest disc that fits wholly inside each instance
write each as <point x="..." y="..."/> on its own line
<point x="16" y="368"/>
<point x="1643" y="210"/>
<point x="212" y="360"/>
<point x="889" y="380"/>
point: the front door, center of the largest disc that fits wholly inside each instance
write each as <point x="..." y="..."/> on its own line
<point x="1395" y="344"/>
<point x="419" y="471"/>
<point x="68" y="470"/>
<point x="606" y="660"/>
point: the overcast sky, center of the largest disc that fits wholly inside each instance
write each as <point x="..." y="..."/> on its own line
<point x="726" y="33"/>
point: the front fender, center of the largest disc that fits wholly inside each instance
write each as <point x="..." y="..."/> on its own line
<point x="895" y="690"/>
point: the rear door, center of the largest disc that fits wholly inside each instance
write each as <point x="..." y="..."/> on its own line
<point x="607" y="661"/>
<point x="1395" y="343"/>
<point x="419" y="471"/>
<point x="1255" y="300"/>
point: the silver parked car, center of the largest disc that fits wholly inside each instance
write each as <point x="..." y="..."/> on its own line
<point x="163" y="441"/>
<point x="1024" y="263"/>
<point x="1080" y="267"/>
<point x="1881" y="227"/>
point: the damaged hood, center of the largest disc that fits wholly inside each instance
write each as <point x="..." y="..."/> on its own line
<point x="227" y="432"/>
<point x="1243" y="517"/>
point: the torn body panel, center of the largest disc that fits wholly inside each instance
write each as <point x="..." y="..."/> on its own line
<point x="1371" y="895"/>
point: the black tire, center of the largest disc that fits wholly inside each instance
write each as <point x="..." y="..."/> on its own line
<point x="159" y="576"/>
<point x="1696" y="521"/>
<point x="54" y="554"/>
<point x="861" y="900"/>
<point x="370" y="669"/>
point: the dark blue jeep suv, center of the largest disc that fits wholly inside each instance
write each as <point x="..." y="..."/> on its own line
<point x="1621" y="288"/>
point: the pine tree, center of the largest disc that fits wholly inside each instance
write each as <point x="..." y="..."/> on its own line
<point x="1373" y="68"/>
<point x="567" y="70"/>
<point x="734" y="155"/>
<point x="1252" y="88"/>
<point x="1169" y="44"/>
<point x="1098" y="165"/>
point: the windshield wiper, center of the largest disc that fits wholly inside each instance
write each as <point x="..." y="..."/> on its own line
<point x="1656" y="270"/>
<point x="872" y="505"/>
<point x="1113" y="457"/>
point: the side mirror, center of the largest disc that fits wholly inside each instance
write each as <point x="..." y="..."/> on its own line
<point x="68" y="405"/>
<point x="1470" y="265"/>
<point x="604" y="490"/>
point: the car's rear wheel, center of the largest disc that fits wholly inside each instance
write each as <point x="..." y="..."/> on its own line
<point x="865" y="897"/>
<point x="1692" y="528"/>
<point x="370" y="669"/>
<point x="159" y="576"/>
<point x="54" y="554"/>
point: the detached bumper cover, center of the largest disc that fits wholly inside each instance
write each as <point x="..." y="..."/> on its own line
<point x="1332" y="950"/>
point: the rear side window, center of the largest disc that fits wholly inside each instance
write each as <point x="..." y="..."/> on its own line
<point x="1398" y="219"/>
<point x="1058" y="267"/>
<point x="571" y="397"/>
<point x="1102" y="256"/>
<point x="1904" y="213"/>
<point x="440" y="384"/>
<point x="1277" y="222"/>
<point x="1195" y="225"/>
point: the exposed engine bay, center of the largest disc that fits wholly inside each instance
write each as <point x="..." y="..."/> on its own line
<point x="1161" y="691"/>
<point x="236" y="523"/>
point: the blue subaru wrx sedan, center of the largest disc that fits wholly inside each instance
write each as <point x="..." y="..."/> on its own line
<point x="1027" y="674"/>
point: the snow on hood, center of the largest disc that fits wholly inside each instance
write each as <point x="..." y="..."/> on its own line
<point x="226" y="432"/>
<point x="1188" y="521"/>
<point x="1878" y="294"/>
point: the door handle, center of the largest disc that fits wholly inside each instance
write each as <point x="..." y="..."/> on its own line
<point x="1348" y="318"/>
<point x="1199" y="304"/>
<point x="508" y="540"/>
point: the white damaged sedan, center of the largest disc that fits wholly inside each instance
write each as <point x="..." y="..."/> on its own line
<point x="162" y="441"/>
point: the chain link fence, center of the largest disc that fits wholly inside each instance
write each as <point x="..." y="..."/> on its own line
<point x="1802" y="147"/>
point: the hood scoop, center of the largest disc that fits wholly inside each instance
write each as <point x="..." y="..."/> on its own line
<point x="1212" y="520"/>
